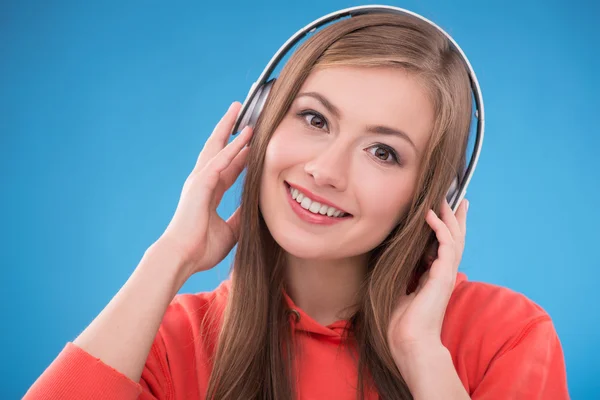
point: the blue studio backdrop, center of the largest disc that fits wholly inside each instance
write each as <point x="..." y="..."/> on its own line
<point x="104" y="107"/>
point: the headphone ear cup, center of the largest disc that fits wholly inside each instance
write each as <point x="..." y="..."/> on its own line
<point x="251" y="115"/>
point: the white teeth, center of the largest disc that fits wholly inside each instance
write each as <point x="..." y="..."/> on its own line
<point x="314" y="206"/>
<point x="305" y="203"/>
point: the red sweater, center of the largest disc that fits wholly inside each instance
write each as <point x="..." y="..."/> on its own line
<point x="503" y="346"/>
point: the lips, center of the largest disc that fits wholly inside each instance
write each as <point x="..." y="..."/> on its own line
<point x="310" y="217"/>
<point x="314" y="197"/>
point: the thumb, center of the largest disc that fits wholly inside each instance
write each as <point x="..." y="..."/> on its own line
<point x="234" y="223"/>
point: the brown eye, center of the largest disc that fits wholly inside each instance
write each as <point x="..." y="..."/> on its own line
<point x="315" y="120"/>
<point x="382" y="154"/>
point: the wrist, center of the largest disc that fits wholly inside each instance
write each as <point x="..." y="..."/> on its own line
<point x="429" y="372"/>
<point x="414" y="359"/>
<point x="166" y="263"/>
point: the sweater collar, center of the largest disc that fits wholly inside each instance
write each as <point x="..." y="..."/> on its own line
<point x="303" y="322"/>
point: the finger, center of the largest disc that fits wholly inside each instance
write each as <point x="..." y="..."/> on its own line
<point x="442" y="233"/>
<point x="219" y="136"/>
<point x="236" y="167"/>
<point x="444" y="266"/>
<point x="230" y="174"/>
<point x="461" y="216"/>
<point x="451" y="220"/>
<point x="225" y="157"/>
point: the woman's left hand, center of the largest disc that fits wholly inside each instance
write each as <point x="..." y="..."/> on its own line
<point x="416" y="322"/>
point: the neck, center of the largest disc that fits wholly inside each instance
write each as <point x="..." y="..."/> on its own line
<point x="325" y="289"/>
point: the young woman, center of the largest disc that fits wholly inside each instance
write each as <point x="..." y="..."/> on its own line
<point x="335" y="292"/>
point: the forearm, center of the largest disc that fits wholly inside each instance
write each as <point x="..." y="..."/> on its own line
<point x="430" y="374"/>
<point x="122" y="334"/>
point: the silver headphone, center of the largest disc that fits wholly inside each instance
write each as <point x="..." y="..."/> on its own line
<point x="259" y="91"/>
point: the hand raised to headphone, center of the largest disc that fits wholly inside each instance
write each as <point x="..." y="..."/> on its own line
<point x="416" y="322"/>
<point x="196" y="232"/>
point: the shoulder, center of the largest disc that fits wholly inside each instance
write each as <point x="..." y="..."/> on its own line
<point x="495" y="333"/>
<point x="190" y="326"/>
<point x="180" y="357"/>
<point x="479" y="302"/>
<point x="490" y="314"/>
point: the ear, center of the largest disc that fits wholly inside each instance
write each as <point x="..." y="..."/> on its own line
<point x="430" y="253"/>
<point x="423" y="265"/>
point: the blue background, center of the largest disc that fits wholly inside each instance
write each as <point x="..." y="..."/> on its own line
<point x="104" y="108"/>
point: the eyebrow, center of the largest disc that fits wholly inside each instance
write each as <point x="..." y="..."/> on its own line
<point x="380" y="129"/>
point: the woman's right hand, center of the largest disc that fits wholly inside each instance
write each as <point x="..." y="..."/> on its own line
<point x="196" y="232"/>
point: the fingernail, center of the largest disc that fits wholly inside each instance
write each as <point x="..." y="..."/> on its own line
<point x="467" y="205"/>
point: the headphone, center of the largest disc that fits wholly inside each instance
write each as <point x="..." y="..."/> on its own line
<point x="259" y="91"/>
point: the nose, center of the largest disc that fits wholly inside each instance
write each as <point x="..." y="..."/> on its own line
<point x="330" y="167"/>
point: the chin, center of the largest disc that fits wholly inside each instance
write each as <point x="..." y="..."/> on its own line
<point x="304" y="245"/>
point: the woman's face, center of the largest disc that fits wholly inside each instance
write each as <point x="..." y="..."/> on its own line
<point x="351" y="141"/>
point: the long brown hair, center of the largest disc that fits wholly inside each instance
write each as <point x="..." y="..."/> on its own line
<point x="254" y="353"/>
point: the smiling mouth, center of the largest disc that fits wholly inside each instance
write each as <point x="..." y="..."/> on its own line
<point x="314" y="207"/>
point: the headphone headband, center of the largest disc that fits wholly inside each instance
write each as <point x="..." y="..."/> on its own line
<point x="259" y="90"/>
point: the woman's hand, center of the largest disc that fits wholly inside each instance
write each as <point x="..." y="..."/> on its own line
<point x="416" y="323"/>
<point x="196" y="232"/>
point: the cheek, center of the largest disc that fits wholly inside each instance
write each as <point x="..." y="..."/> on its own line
<point x="383" y="201"/>
<point x="279" y="157"/>
<point x="285" y="150"/>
